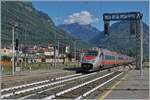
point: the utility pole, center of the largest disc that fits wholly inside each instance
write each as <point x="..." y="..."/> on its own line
<point x="13" y="44"/>
<point x="75" y="50"/>
<point x="25" y="48"/>
<point x="141" y="49"/>
<point x="13" y="50"/>
<point x="55" y="49"/>
<point x="58" y="51"/>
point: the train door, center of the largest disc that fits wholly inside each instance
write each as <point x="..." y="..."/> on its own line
<point x="101" y="58"/>
<point x="116" y="60"/>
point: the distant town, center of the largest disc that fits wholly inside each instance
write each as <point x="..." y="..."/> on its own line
<point x="38" y="54"/>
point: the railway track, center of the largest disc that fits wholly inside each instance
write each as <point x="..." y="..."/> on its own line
<point x="35" y="83"/>
<point x="9" y="91"/>
<point x="72" y="86"/>
<point x="82" y="90"/>
<point x="27" y="89"/>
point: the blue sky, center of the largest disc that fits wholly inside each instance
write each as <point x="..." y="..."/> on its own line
<point x="88" y="12"/>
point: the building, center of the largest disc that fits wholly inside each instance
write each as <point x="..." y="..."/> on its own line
<point x="6" y="52"/>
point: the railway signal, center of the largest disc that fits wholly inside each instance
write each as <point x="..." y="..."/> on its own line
<point x="16" y="44"/>
<point x="133" y="27"/>
<point x="106" y="28"/>
<point x="136" y="27"/>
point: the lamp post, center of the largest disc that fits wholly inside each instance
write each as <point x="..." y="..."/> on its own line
<point x="26" y="45"/>
<point x="13" y="50"/>
<point x="141" y="48"/>
<point x="55" y="49"/>
<point x="75" y="50"/>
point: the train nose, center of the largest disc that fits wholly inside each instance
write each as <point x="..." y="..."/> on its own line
<point x="86" y="66"/>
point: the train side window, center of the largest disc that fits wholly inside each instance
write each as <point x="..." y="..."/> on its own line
<point x="120" y="58"/>
<point x="108" y="57"/>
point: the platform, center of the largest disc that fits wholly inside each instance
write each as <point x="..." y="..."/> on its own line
<point x="131" y="86"/>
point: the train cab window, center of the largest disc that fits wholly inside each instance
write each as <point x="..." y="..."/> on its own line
<point x="91" y="53"/>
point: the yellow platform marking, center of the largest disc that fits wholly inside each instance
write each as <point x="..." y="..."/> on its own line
<point x="111" y="88"/>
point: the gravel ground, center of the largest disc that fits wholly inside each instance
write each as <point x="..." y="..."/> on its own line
<point x="38" y="95"/>
<point x="66" y="86"/>
<point x="32" y="76"/>
<point x="79" y="91"/>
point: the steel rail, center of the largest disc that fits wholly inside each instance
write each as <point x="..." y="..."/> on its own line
<point x="46" y="85"/>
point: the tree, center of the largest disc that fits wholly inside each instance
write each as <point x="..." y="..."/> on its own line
<point x="6" y="58"/>
<point x="131" y="53"/>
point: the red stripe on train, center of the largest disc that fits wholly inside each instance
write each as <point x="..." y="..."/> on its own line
<point x="89" y="57"/>
<point x="108" y="62"/>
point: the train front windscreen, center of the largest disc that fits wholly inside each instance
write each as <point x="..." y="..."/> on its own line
<point x="91" y="53"/>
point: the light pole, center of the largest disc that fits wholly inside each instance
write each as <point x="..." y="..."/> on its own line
<point x="58" y="51"/>
<point x="25" y="48"/>
<point x="55" y="49"/>
<point x="141" y="53"/>
<point x="13" y="51"/>
<point x="75" y="50"/>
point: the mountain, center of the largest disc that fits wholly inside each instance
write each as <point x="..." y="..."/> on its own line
<point x="84" y="32"/>
<point x="34" y="27"/>
<point x="120" y="38"/>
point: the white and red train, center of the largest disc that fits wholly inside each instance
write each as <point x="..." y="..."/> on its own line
<point x="98" y="58"/>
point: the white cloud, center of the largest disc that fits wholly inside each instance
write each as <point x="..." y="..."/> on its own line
<point x="83" y="18"/>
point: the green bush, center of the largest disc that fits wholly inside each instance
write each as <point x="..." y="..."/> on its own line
<point x="6" y="58"/>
